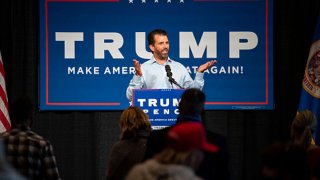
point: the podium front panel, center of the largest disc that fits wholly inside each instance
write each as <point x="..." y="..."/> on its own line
<point x="161" y="105"/>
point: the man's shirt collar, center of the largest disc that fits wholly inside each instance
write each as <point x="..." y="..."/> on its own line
<point x="153" y="60"/>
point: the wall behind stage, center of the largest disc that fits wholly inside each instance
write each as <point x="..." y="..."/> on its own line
<point x="83" y="139"/>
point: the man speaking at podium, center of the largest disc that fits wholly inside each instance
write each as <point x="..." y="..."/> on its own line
<point x="161" y="72"/>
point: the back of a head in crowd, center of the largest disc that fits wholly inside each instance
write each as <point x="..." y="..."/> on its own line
<point x="192" y="102"/>
<point x="186" y="142"/>
<point x="186" y="136"/>
<point x="280" y="161"/>
<point x="21" y="112"/>
<point x="302" y="127"/>
<point x="132" y="120"/>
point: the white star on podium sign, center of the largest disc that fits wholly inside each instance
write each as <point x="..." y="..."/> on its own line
<point x="156" y="1"/>
<point x="181" y="1"/>
<point x="130" y="1"/>
<point x="143" y="1"/>
<point x="169" y="1"/>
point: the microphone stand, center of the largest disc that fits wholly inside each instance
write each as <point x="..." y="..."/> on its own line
<point x="171" y="80"/>
<point x="169" y="74"/>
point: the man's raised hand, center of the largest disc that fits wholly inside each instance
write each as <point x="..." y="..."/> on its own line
<point x="137" y="67"/>
<point x="206" y="65"/>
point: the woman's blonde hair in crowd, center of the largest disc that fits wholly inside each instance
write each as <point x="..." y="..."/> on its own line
<point x="301" y="128"/>
<point x="132" y="120"/>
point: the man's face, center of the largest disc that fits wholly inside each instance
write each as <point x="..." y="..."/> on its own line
<point x="160" y="48"/>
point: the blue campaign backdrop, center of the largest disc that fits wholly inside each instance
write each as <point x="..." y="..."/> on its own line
<point x="87" y="47"/>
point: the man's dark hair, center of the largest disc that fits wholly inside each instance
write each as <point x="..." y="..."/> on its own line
<point x="155" y="32"/>
<point x="192" y="102"/>
<point x="21" y="110"/>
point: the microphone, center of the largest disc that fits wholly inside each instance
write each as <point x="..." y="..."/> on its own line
<point x="169" y="74"/>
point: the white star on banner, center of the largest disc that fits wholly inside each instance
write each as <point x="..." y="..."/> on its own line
<point x="169" y="1"/>
<point x="181" y="1"/>
<point x="130" y="1"/>
<point x="143" y="1"/>
<point x="156" y="1"/>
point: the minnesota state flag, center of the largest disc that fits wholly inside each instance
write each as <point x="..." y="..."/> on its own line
<point x="310" y="94"/>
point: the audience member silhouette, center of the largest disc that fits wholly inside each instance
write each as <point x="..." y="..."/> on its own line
<point x="180" y="158"/>
<point x="130" y="150"/>
<point x="7" y="172"/>
<point x="284" y="161"/>
<point x="29" y="153"/>
<point x="303" y="126"/>
<point x="297" y="160"/>
<point x="191" y="109"/>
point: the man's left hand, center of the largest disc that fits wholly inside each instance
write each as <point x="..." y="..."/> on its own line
<point x="206" y="66"/>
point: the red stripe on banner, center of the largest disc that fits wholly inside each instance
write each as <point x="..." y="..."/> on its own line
<point x="226" y="0"/>
<point x="83" y="0"/>
<point x="47" y="62"/>
<point x="47" y="51"/>
<point x="85" y="103"/>
<point x="267" y="54"/>
<point x="266" y="102"/>
<point x="4" y="121"/>
<point x="236" y="103"/>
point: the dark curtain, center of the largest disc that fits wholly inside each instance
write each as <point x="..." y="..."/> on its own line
<point x="82" y="139"/>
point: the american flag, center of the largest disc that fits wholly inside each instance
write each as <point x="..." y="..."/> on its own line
<point x="4" y="112"/>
